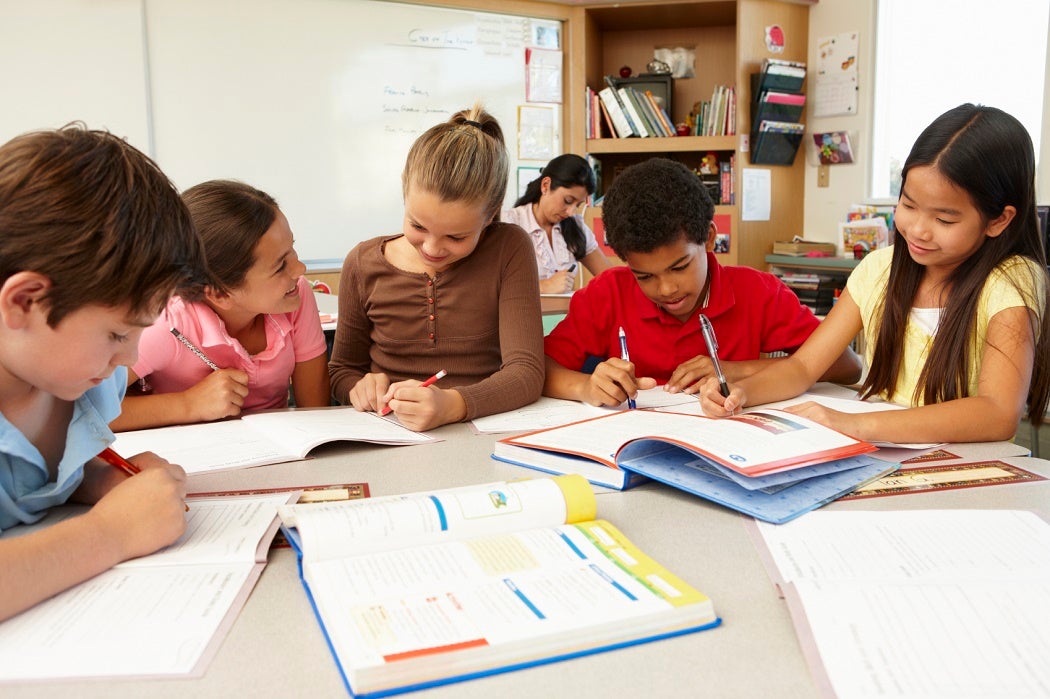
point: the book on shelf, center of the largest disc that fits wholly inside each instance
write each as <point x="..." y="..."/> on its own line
<point x="927" y="603"/>
<point x="635" y="129"/>
<point x="634" y="113"/>
<point x="611" y="103"/>
<point x="162" y="615"/>
<point x="661" y="114"/>
<point x="767" y="463"/>
<point x="431" y="588"/>
<point x="799" y="247"/>
<point x="652" y="120"/>
<point x="263" y="438"/>
<point x="727" y="194"/>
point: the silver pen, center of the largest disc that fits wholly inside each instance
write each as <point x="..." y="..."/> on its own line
<point x="712" y="350"/>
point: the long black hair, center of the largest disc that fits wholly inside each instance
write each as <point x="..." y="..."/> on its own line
<point x="566" y="170"/>
<point x="987" y="153"/>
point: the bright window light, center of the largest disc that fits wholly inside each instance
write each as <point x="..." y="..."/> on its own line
<point x="932" y="55"/>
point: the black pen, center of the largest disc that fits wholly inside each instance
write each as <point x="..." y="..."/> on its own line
<point x="712" y="350"/>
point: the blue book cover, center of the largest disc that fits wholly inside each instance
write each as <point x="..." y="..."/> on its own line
<point x="782" y="499"/>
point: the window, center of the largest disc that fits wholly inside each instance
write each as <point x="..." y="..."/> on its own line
<point x="931" y="56"/>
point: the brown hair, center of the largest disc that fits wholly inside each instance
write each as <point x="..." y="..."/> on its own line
<point x="230" y="218"/>
<point x="97" y="217"/>
<point x="462" y="159"/>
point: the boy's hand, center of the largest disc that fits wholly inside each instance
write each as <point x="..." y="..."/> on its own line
<point x="689" y="376"/>
<point x="367" y="394"/>
<point x="714" y="404"/>
<point x="220" y="394"/>
<point x="422" y="408"/>
<point x="613" y="382"/>
<point x="145" y="512"/>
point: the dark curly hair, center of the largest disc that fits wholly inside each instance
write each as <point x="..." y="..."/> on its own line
<point x="654" y="203"/>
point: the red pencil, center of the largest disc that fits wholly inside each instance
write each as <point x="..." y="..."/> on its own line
<point x="114" y="459"/>
<point x="429" y="382"/>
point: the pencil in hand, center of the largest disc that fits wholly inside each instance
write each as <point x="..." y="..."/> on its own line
<point x="429" y="382"/>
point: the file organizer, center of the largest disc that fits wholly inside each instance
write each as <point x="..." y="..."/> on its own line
<point x="777" y="106"/>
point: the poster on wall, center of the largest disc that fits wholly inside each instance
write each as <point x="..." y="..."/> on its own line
<point x="836" y="78"/>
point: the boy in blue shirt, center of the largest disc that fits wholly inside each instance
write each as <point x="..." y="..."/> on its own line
<point x="93" y="240"/>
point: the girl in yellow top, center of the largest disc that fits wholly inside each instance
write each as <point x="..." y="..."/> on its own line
<point x="954" y="314"/>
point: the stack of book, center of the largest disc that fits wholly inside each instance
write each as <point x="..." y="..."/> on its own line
<point x="812" y="290"/>
<point x="630" y="112"/>
<point x="777" y="106"/>
<point x="716" y="117"/>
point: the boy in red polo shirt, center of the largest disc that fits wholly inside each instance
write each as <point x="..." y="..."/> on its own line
<point x="657" y="217"/>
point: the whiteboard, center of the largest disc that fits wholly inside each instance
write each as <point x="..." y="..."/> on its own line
<point x="70" y="60"/>
<point x="318" y="101"/>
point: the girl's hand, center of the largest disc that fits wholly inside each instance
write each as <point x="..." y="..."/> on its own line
<point x="838" y="421"/>
<point x="714" y="404"/>
<point x="367" y="394"/>
<point x="220" y="394"/>
<point x="612" y="382"/>
<point x="144" y="512"/>
<point x="561" y="282"/>
<point x="422" y="408"/>
<point x="689" y="376"/>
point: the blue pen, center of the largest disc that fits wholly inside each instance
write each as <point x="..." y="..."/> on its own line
<point x="626" y="357"/>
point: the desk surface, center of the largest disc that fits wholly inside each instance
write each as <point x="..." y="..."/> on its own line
<point x="276" y="648"/>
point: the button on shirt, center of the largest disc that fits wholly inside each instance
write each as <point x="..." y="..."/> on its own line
<point x="752" y="312"/>
<point x="26" y="491"/>
<point x="551" y="255"/>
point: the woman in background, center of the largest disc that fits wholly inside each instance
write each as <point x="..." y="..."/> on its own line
<point x="547" y="212"/>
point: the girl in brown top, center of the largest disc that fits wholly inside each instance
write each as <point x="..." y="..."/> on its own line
<point x="454" y="291"/>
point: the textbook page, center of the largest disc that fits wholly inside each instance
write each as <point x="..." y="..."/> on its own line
<point x="328" y="530"/>
<point x="159" y="615"/>
<point x="938" y="603"/>
<point x="551" y="412"/>
<point x="262" y="438"/>
<point x="398" y="618"/>
<point x="752" y="443"/>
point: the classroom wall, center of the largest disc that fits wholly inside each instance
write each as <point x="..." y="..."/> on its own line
<point x="825" y="207"/>
<point x="314" y="101"/>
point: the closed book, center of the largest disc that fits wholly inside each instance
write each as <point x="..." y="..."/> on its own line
<point x="631" y="107"/>
<point x="616" y="113"/>
<point x="665" y="118"/>
<point x="635" y="130"/>
<point x="801" y="248"/>
<point x="652" y="121"/>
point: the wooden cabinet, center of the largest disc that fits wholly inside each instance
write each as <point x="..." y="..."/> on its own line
<point x="728" y="38"/>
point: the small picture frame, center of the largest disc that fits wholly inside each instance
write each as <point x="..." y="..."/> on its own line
<point x="833" y="147"/>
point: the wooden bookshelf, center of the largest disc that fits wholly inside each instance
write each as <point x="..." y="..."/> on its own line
<point x="728" y="37"/>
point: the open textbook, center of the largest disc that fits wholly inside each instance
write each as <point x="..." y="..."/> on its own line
<point x="424" y="589"/>
<point x="263" y="438"/>
<point x="161" y="615"/>
<point x="938" y="603"/>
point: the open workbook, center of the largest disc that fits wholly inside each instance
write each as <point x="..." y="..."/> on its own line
<point x="425" y="589"/>
<point x="263" y="438"/>
<point x="937" y="603"/>
<point x="162" y="615"/>
<point x="769" y="464"/>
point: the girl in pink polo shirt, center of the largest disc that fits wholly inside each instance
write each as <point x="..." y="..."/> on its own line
<point x="245" y="334"/>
